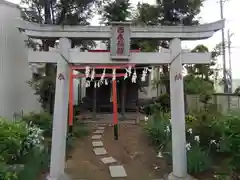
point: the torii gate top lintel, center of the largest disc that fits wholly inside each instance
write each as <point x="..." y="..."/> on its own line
<point x="120" y="34"/>
<point x="196" y="32"/>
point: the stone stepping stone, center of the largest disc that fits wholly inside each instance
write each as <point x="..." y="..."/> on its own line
<point x="96" y="136"/>
<point x="99" y="131"/>
<point x="97" y="143"/>
<point x="117" y="171"/>
<point x="159" y="155"/>
<point x="102" y="124"/>
<point x="108" y="160"/>
<point x="99" y="151"/>
<point x="100" y="128"/>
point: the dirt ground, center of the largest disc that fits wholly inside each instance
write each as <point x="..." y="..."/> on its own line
<point x="131" y="150"/>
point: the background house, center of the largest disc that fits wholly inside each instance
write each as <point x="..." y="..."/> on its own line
<point x="15" y="94"/>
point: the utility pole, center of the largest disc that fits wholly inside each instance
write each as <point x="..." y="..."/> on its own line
<point x="230" y="59"/>
<point x="223" y="51"/>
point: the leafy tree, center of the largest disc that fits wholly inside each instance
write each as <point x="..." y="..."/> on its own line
<point x="199" y="79"/>
<point x="237" y="91"/>
<point x="197" y="85"/>
<point x="167" y="12"/>
<point x="180" y="11"/>
<point x="204" y="71"/>
<point x="62" y="12"/>
<point x="115" y="11"/>
<point x="122" y="11"/>
<point x="147" y="14"/>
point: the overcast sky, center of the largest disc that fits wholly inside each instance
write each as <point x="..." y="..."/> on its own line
<point x="211" y="12"/>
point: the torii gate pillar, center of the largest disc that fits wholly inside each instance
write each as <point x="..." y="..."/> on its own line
<point x="59" y="132"/>
<point x="177" y="113"/>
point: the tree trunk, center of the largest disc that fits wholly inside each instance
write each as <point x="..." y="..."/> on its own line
<point x="49" y="68"/>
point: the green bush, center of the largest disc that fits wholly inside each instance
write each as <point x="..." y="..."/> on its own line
<point x="164" y="101"/>
<point x="229" y="141"/>
<point x="161" y="103"/>
<point x="21" y="144"/>
<point x="23" y="151"/>
<point x="151" y="108"/>
<point x="6" y="172"/>
<point x="202" y="123"/>
<point x="42" y="120"/>
<point x="158" y="130"/>
<point x="221" y="134"/>
<point x="33" y="168"/>
<point x="12" y="136"/>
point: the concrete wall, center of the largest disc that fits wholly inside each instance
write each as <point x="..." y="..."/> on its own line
<point x="15" y="94"/>
<point x="224" y="103"/>
<point x="79" y="89"/>
<point x="151" y="91"/>
<point x="220" y="87"/>
<point x="148" y="91"/>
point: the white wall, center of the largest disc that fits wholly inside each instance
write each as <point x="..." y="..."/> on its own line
<point x="150" y="90"/>
<point x="15" y="94"/>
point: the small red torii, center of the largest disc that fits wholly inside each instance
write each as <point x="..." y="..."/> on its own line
<point x="114" y="86"/>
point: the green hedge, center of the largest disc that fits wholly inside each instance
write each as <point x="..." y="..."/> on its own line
<point x="21" y="150"/>
<point x="26" y="143"/>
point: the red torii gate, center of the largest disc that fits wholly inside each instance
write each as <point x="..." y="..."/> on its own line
<point x="114" y="88"/>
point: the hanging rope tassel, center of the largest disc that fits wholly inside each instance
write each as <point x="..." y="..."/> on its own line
<point x="134" y="76"/>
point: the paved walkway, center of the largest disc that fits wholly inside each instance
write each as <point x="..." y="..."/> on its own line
<point x="116" y="171"/>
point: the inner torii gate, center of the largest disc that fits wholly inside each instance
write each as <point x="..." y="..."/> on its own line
<point x="120" y="35"/>
<point x="114" y="90"/>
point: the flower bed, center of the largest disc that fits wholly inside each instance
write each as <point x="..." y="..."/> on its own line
<point x="213" y="142"/>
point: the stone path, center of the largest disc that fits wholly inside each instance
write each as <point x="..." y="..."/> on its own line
<point x="116" y="171"/>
